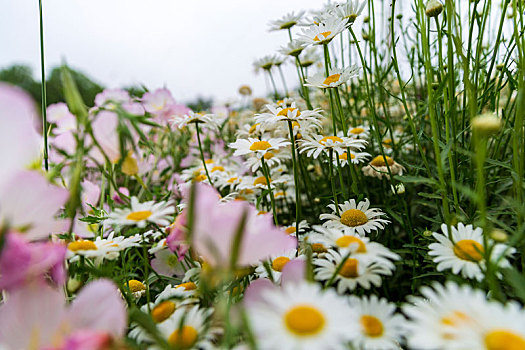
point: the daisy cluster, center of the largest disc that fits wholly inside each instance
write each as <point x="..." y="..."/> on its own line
<point x="277" y="222"/>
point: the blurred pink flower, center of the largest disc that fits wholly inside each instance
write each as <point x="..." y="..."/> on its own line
<point x="176" y="236"/>
<point x="105" y="132"/>
<point x="60" y="115"/>
<point x="36" y="317"/>
<point x="162" y="105"/>
<point x="29" y="204"/>
<point x="90" y="195"/>
<point x="22" y="262"/>
<point x="215" y="225"/>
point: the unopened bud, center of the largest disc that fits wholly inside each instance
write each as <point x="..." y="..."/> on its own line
<point x="434" y="8"/>
<point x="427" y="233"/>
<point x="487" y="124"/>
<point x="499" y="236"/>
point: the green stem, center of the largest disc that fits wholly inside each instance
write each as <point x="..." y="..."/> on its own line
<point x="202" y="154"/>
<point x="44" y="93"/>
<point x="296" y="179"/>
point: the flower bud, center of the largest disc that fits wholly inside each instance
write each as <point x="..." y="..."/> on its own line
<point x="487" y="124"/>
<point x="499" y="236"/>
<point x="434" y="8"/>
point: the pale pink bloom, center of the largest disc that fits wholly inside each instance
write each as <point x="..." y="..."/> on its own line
<point x="36" y="317"/>
<point x="65" y="142"/>
<point x="110" y="96"/>
<point x="60" y="115"/>
<point x="215" y="226"/>
<point x="29" y="204"/>
<point x="176" y="236"/>
<point x="20" y="144"/>
<point x="116" y="197"/>
<point x="90" y="195"/>
<point x="86" y="340"/>
<point x="105" y="132"/>
<point x="22" y="262"/>
<point x="166" y="263"/>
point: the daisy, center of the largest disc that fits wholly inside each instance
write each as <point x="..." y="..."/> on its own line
<point x="349" y="10"/>
<point x="291" y="113"/>
<point x="377" y="167"/>
<point x="265" y="63"/>
<point x="355" y="218"/>
<point x="380" y="327"/>
<point x="314" y="145"/>
<point x="354" y="244"/>
<point x="287" y="21"/>
<point x="437" y="316"/>
<point x="254" y="162"/>
<point x="276" y="264"/>
<point x="187" y="329"/>
<point x="465" y="254"/>
<point x="137" y="288"/>
<point x="101" y="248"/>
<point x="336" y="77"/>
<point x="141" y="213"/>
<point x="355" y="158"/>
<point x="257" y="147"/>
<point x="324" y="32"/>
<point x="309" y="57"/>
<point x="191" y="117"/>
<point x="360" y="131"/>
<point x="299" y="315"/>
<point x="355" y="271"/>
<point x="293" y="48"/>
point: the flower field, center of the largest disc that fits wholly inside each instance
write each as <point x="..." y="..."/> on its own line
<point x="374" y="202"/>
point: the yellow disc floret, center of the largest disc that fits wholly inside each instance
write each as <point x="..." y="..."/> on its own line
<point x="502" y="339"/>
<point x="162" y="311"/>
<point x="380" y="161"/>
<point x="353" y="218"/>
<point x="349" y="268"/>
<point x="345" y="241"/>
<point x="468" y="249"/>
<point x="334" y="139"/>
<point x="183" y="338"/>
<point x="324" y="36"/>
<point x="284" y="112"/>
<point x="136" y="286"/>
<point x="372" y="326"/>
<point x="260" y="146"/>
<point x="279" y="263"/>
<point x="81" y="245"/>
<point x="304" y="320"/>
<point x="334" y="78"/>
<point x="139" y="215"/>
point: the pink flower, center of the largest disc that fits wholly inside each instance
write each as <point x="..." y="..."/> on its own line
<point x="36" y="317"/>
<point x="161" y="104"/>
<point x="176" y="236"/>
<point x="59" y="114"/>
<point x="109" y="96"/>
<point x="90" y="195"/>
<point x="19" y="139"/>
<point x="29" y="204"/>
<point x="105" y="132"/>
<point x="116" y="196"/>
<point x="22" y="262"/>
<point x="216" y="224"/>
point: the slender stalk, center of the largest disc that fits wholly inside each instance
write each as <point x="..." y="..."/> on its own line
<point x="202" y="154"/>
<point x="44" y="92"/>
<point x="266" y="173"/>
<point x="296" y="179"/>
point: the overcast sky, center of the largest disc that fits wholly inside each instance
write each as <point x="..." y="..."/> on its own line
<point x="193" y="47"/>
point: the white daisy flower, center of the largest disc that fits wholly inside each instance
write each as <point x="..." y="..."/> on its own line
<point x="276" y="264"/>
<point x="314" y="145"/>
<point x="380" y="327"/>
<point x="355" y="218"/>
<point x="377" y="167"/>
<point x="323" y="32"/>
<point x="137" y="288"/>
<point x="309" y="56"/>
<point x="254" y="162"/>
<point x="360" y="131"/>
<point x="141" y="213"/>
<point x="210" y="120"/>
<point x="102" y="248"/>
<point x="355" y="158"/>
<point x="437" y="316"/>
<point x="336" y="77"/>
<point x="265" y="63"/>
<point x="465" y="254"/>
<point x="356" y="271"/>
<point x="257" y="147"/>
<point x="354" y="244"/>
<point x="293" y="48"/>
<point x="349" y="10"/>
<point x="287" y="21"/>
<point x="187" y="328"/>
<point x="301" y="316"/>
<point x="291" y="113"/>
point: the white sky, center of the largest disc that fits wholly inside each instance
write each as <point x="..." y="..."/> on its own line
<point x="194" y="47"/>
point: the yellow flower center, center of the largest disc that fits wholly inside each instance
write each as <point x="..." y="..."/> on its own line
<point x="136" y="286"/>
<point x="260" y="146"/>
<point x="344" y="156"/>
<point x="139" y="215"/>
<point x="183" y="338"/>
<point x="200" y="178"/>
<point x="284" y="112"/>
<point x="162" y="311"/>
<point x="232" y="180"/>
<point x="324" y="36"/>
<point x="261" y="180"/>
<point x="304" y="320"/>
<point x="334" y="78"/>
<point x="290" y="230"/>
<point x="253" y="128"/>
<point x="279" y="263"/>
<point x="353" y="218"/>
<point x="502" y="339"/>
<point x="268" y="155"/>
<point x="387" y="143"/>
<point x="334" y="139"/>
<point x="217" y="168"/>
<point x="209" y="161"/>
<point x="318" y="248"/>
<point x="187" y="286"/>
<point x="345" y="241"/>
<point x="380" y="161"/>
<point x="81" y="245"/>
<point x="372" y="326"/>
<point x="468" y="249"/>
<point x="357" y="131"/>
<point x="349" y="268"/>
